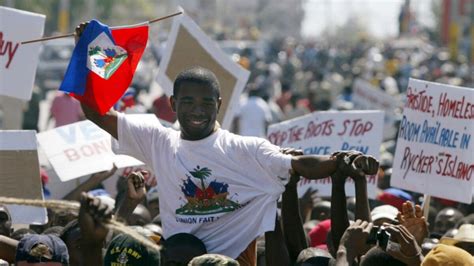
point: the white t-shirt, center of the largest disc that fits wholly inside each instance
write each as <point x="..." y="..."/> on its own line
<point x="254" y="114"/>
<point x="222" y="189"/>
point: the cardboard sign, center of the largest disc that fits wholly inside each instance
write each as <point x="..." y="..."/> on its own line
<point x="434" y="152"/>
<point x="323" y="133"/>
<point x="81" y="149"/>
<point x="188" y="46"/>
<point x="18" y="62"/>
<point x="20" y="175"/>
<point x="368" y="97"/>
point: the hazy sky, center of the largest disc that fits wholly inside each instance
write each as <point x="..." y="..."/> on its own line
<point x="380" y="16"/>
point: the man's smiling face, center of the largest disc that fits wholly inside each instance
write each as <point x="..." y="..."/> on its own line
<point x="196" y="105"/>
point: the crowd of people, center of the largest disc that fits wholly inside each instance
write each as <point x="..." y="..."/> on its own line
<point x="194" y="213"/>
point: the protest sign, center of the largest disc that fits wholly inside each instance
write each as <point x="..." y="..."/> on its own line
<point x="80" y="149"/>
<point x="368" y="97"/>
<point x="20" y="175"/>
<point x="188" y="46"/>
<point x="434" y="154"/>
<point x="18" y="62"/>
<point x="323" y="133"/>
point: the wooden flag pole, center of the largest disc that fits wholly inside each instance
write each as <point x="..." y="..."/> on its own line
<point x="72" y="34"/>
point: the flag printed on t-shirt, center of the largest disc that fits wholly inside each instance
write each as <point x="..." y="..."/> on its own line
<point x="204" y="197"/>
<point x="103" y="63"/>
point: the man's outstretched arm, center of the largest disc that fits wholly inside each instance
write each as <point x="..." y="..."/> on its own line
<point x="314" y="166"/>
<point x="317" y="167"/>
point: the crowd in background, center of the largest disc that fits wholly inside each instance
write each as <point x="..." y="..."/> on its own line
<point x="291" y="79"/>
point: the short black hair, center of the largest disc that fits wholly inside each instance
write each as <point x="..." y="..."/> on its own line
<point x="376" y="256"/>
<point x="197" y="74"/>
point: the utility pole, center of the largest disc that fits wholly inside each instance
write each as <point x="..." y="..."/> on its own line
<point x="63" y="18"/>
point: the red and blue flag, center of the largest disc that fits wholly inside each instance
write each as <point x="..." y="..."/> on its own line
<point x="103" y="63"/>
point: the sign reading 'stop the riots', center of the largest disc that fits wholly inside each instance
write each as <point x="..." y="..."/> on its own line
<point x="323" y="133"/>
<point x="434" y="152"/>
<point x="18" y="62"/>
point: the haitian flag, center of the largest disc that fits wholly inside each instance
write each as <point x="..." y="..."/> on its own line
<point x="103" y="63"/>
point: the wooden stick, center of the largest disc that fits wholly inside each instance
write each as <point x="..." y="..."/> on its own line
<point x="426" y="205"/>
<point x="72" y="34"/>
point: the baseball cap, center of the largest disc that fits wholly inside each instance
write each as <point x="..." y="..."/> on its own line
<point x="213" y="259"/>
<point x="42" y="248"/>
<point x="125" y="250"/>
<point x="384" y="211"/>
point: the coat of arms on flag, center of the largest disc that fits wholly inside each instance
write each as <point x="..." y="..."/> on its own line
<point x="103" y="63"/>
<point x="104" y="56"/>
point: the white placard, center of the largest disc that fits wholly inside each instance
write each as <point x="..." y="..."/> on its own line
<point x="18" y="62"/>
<point x="368" y="97"/>
<point x="189" y="46"/>
<point x="81" y="149"/>
<point x="326" y="132"/>
<point x="20" y="175"/>
<point x="434" y="152"/>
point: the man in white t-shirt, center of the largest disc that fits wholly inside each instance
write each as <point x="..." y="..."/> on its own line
<point x="254" y="115"/>
<point x="216" y="185"/>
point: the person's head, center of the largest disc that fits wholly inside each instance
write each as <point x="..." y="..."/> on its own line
<point x="384" y="214"/>
<point x="5" y="221"/>
<point x="376" y="257"/>
<point x="196" y="101"/>
<point x="447" y="255"/>
<point x="446" y="219"/>
<point x="71" y="235"/>
<point x="180" y="249"/>
<point x="313" y="256"/>
<point x="462" y="238"/>
<point x="213" y="260"/>
<point x="125" y="250"/>
<point x="321" y="210"/>
<point x="41" y="250"/>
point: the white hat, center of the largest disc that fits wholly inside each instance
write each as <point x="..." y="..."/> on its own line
<point x="384" y="211"/>
<point x="464" y="234"/>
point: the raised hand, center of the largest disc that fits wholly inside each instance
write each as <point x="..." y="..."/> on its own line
<point x="79" y="30"/>
<point x="136" y="186"/>
<point x="92" y="216"/>
<point x="344" y="165"/>
<point x="354" y="239"/>
<point x="405" y="248"/>
<point x="413" y="220"/>
<point x="366" y="165"/>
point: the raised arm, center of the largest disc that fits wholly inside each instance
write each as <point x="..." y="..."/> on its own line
<point x="8" y="248"/>
<point x="136" y="192"/>
<point x="293" y="230"/>
<point x="339" y="219"/>
<point x="107" y="122"/>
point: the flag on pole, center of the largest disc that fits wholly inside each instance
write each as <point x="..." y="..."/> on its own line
<point x="103" y="63"/>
